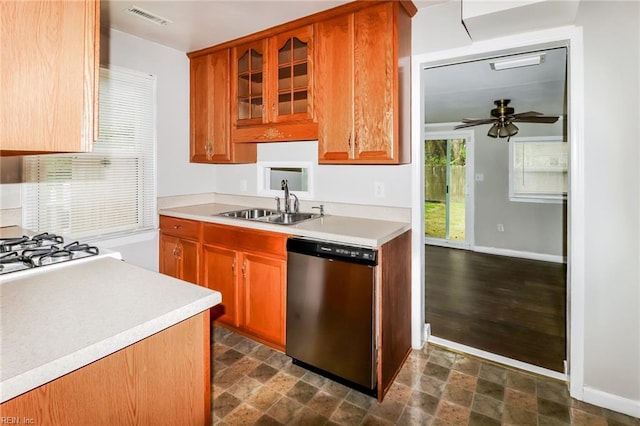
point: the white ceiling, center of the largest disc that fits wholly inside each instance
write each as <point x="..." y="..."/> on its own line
<point x="452" y="92"/>
<point x="467" y="90"/>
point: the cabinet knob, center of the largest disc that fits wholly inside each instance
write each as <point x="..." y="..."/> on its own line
<point x="233" y="267"/>
<point x="244" y="269"/>
<point x="177" y="226"/>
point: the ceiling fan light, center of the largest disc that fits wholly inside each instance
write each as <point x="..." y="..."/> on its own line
<point x="521" y="61"/>
<point x="493" y="131"/>
<point x="503" y="133"/>
<point x="511" y="129"/>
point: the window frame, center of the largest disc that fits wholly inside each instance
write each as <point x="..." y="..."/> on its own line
<point x="144" y="152"/>
<point x="534" y="198"/>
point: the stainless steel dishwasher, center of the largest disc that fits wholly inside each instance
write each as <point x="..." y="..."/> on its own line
<point x="331" y="311"/>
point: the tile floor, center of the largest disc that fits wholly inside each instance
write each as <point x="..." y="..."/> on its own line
<point x="256" y="385"/>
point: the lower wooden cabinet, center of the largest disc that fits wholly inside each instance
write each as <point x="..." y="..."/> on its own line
<point x="249" y="268"/>
<point x="180" y="248"/>
<point x="163" y="379"/>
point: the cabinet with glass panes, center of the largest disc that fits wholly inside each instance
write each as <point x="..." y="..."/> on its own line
<point x="272" y="97"/>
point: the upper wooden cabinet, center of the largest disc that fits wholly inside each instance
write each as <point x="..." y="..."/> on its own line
<point x="362" y="90"/>
<point x="49" y="64"/>
<point x="209" y="112"/>
<point x="271" y="97"/>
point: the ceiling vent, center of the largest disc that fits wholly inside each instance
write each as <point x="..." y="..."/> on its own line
<point x="147" y="16"/>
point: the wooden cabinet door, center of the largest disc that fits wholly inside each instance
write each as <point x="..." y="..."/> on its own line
<point x="169" y="264"/>
<point x="179" y="258"/>
<point x="334" y="58"/>
<point x="290" y="76"/>
<point x="210" y="113"/>
<point x="49" y="75"/>
<point x="221" y="272"/>
<point x="248" y="85"/>
<point x="375" y="67"/>
<point x="264" y="297"/>
<point x="189" y="261"/>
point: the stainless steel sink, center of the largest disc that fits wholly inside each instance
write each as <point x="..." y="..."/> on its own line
<point x="249" y="213"/>
<point x="291" y="218"/>
<point x="270" y="216"/>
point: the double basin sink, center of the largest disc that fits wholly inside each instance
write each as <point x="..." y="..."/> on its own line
<point x="270" y="216"/>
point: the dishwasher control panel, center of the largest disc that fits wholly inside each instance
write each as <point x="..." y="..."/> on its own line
<point x="334" y="251"/>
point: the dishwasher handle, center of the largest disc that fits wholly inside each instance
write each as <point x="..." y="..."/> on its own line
<point x="333" y="251"/>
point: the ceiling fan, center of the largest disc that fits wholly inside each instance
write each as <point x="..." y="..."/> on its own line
<point x="503" y="118"/>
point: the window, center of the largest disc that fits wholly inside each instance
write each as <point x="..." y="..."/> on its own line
<point x="538" y="169"/>
<point x="299" y="176"/>
<point x="112" y="189"/>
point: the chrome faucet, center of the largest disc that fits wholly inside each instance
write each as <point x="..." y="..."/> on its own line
<point x="287" y="198"/>
<point x="287" y="205"/>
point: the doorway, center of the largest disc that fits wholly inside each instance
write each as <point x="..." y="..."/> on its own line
<point x="494" y="278"/>
<point x="448" y="194"/>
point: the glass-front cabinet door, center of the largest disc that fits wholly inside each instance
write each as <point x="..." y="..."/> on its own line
<point x="272" y="89"/>
<point x="249" y="62"/>
<point x="292" y="94"/>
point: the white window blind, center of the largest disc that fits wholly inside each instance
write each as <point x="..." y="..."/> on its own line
<point x="539" y="169"/>
<point x="111" y="190"/>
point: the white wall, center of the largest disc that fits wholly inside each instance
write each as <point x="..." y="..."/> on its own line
<point x="176" y="176"/>
<point x="611" y="276"/>
<point x="612" y="197"/>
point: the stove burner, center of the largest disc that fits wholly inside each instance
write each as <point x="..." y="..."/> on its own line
<point x="12" y="258"/>
<point x="24" y="252"/>
<point x="45" y="236"/>
<point x="76" y="246"/>
<point x="6" y="244"/>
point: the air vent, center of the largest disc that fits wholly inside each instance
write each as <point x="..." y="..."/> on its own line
<point x="147" y="16"/>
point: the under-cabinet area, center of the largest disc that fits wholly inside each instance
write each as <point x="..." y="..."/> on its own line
<point x="246" y="261"/>
<point x="309" y="79"/>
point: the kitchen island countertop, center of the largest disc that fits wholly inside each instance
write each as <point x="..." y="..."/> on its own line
<point x="342" y="229"/>
<point x="53" y="322"/>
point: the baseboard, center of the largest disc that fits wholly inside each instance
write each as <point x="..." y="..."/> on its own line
<point x="521" y="254"/>
<point x="617" y="403"/>
<point x="497" y="358"/>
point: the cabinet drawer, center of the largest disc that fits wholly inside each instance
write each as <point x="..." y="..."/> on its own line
<point x="243" y="239"/>
<point x="180" y="227"/>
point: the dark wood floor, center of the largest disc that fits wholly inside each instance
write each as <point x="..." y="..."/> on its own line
<point x="505" y="305"/>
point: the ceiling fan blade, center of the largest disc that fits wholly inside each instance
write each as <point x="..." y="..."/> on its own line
<point x="473" y="123"/>
<point x="527" y="114"/>
<point x="467" y="122"/>
<point x="473" y="120"/>
<point x="537" y="119"/>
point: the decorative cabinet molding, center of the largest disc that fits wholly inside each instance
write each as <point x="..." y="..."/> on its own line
<point x="209" y="112"/>
<point x="49" y="78"/>
<point x="363" y="79"/>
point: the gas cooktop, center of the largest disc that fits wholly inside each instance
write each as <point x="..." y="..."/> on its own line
<point x="28" y="251"/>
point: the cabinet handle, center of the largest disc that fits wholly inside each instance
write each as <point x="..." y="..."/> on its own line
<point x="244" y="269"/>
<point x="209" y="150"/>
<point x="176" y="251"/>
<point x="273" y="108"/>
<point x="233" y="267"/>
<point x="177" y="226"/>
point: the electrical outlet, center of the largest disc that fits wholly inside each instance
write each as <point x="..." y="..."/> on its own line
<point x="479" y="177"/>
<point x="243" y="185"/>
<point x="378" y="189"/>
<point x="500" y="227"/>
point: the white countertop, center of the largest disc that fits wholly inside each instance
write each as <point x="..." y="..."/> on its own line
<point x="56" y="321"/>
<point x="342" y="229"/>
